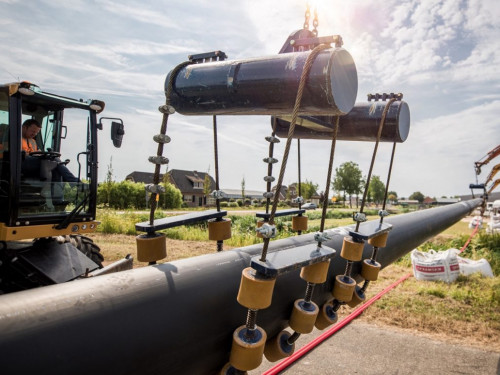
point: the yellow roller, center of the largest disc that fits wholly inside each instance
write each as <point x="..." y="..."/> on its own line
<point x="370" y="269"/>
<point x="379" y="241"/>
<point x="315" y="273"/>
<point x="219" y="230"/>
<point x="229" y="370"/>
<point x="351" y="250"/>
<point x="357" y="297"/>
<point x="277" y="348"/>
<point x="151" y="247"/>
<point x="256" y="291"/>
<point x="303" y="316"/>
<point x="299" y="223"/>
<point x="343" y="289"/>
<point x="247" y="354"/>
<point x="326" y="316"/>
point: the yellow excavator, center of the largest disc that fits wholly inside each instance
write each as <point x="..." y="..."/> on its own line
<point x="43" y="220"/>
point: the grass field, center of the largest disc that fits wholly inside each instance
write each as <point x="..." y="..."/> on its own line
<point x="467" y="311"/>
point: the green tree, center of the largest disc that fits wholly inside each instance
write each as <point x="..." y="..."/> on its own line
<point x="376" y="189"/>
<point x="172" y="197"/>
<point x="243" y="188"/>
<point x="417" y="196"/>
<point x="392" y="196"/>
<point x="308" y="189"/>
<point x="348" y="179"/>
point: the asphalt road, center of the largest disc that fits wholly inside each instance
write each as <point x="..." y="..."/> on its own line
<point x="365" y="349"/>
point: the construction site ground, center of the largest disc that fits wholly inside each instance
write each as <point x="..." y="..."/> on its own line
<point x="366" y="349"/>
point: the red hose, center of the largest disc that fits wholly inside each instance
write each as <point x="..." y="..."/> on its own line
<point x="308" y="347"/>
<point x="338" y="326"/>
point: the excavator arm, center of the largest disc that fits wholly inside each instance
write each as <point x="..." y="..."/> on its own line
<point x="487" y="158"/>
<point x="494" y="185"/>
<point x="492" y="174"/>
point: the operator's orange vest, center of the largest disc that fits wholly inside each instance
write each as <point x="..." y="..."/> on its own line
<point x="29" y="145"/>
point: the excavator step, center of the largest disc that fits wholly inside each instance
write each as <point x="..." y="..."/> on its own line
<point x="283" y="261"/>
<point x="176" y="221"/>
<point x="291" y="211"/>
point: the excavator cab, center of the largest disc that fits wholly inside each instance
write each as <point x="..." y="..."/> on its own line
<point x="35" y="201"/>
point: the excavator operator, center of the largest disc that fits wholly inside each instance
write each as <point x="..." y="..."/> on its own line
<point x="31" y="166"/>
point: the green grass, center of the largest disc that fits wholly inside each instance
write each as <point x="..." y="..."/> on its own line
<point x="471" y="303"/>
<point x="242" y="227"/>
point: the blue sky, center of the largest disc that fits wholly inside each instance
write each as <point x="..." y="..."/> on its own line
<point x="443" y="55"/>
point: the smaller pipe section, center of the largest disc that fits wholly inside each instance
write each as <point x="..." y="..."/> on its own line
<point x="360" y="124"/>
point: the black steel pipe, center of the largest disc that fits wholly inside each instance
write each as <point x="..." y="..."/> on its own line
<point x="360" y="124"/>
<point x="267" y="85"/>
<point x="171" y="318"/>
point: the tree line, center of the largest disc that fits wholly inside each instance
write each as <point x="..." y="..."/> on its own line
<point x="347" y="182"/>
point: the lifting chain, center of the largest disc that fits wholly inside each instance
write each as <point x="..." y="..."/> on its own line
<point x="315" y="20"/>
<point x="307" y="15"/>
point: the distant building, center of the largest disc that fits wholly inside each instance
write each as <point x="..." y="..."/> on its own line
<point x="236" y="194"/>
<point x="408" y="202"/>
<point x="190" y="183"/>
<point x="445" y="201"/>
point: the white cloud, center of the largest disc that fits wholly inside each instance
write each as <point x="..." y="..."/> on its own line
<point x="443" y="55"/>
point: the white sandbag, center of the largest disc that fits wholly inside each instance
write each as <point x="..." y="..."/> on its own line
<point x="469" y="266"/>
<point x="435" y="266"/>
<point x="475" y="221"/>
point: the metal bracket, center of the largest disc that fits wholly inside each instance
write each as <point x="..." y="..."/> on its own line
<point x="155" y="189"/>
<point x="384" y="97"/>
<point x="316" y="41"/>
<point x="208" y="57"/>
<point x="283" y="261"/>
<point x="369" y="230"/>
<point x="267" y="230"/>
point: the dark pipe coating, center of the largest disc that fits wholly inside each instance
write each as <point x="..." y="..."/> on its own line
<point x="360" y="124"/>
<point x="267" y="85"/>
<point x="172" y="318"/>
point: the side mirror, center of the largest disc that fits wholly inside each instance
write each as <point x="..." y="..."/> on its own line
<point x="117" y="132"/>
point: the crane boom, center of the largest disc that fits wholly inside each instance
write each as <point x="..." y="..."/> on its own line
<point x="494" y="185"/>
<point x="492" y="174"/>
<point x="489" y="156"/>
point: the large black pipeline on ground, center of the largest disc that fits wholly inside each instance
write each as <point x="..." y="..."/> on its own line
<point x="360" y="124"/>
<point x="172" y="318"/>
<point x="267" y="85"/>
